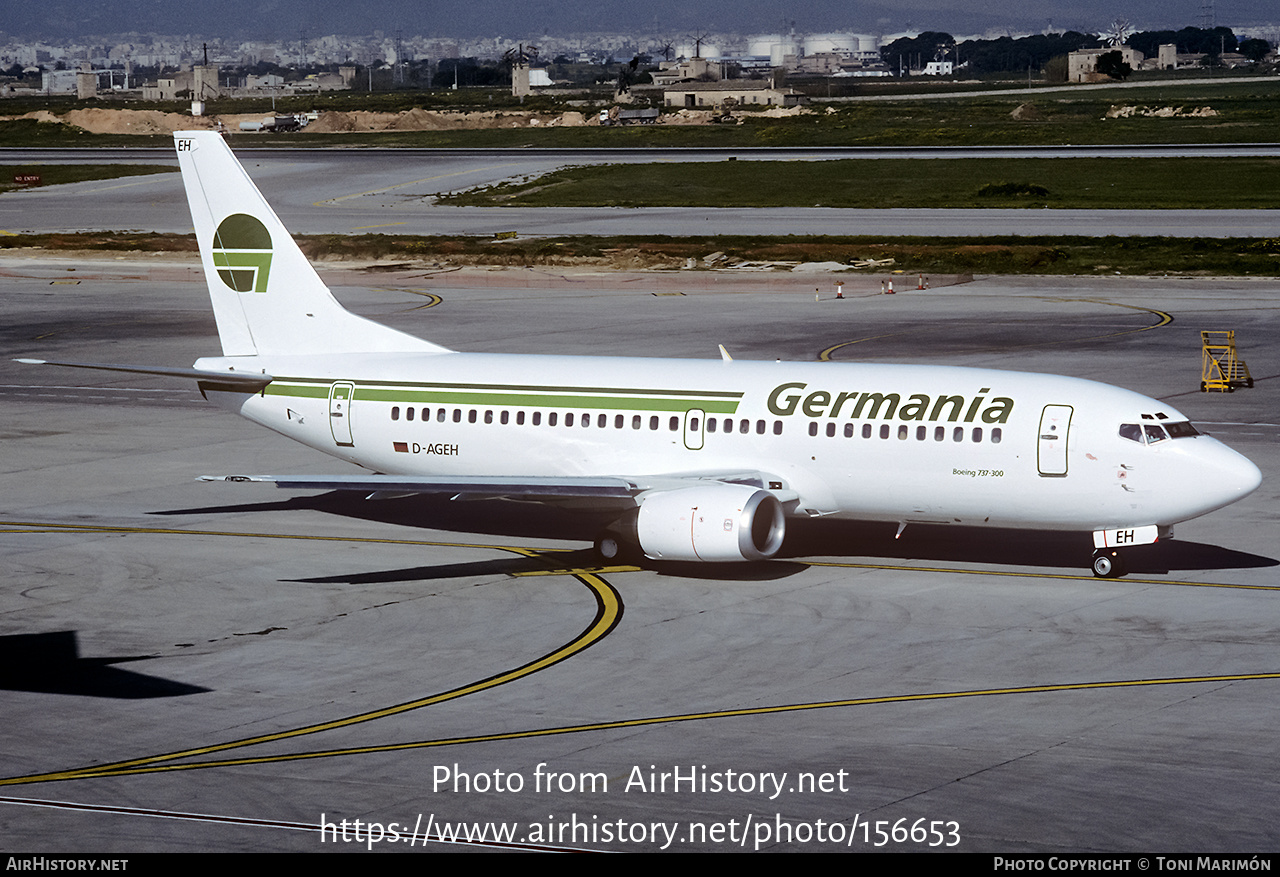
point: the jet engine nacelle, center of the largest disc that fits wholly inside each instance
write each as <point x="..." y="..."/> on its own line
<point x="717" y="523"/>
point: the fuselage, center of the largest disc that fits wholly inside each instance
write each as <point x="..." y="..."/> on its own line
<point x="860" y="441"/>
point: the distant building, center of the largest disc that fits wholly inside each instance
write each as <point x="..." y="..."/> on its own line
<point x="86" y="82"/>
<point x="268" y="80"/>
<point x="1082" y="65"/>
<point x="743" y="92"/>
<point x="198" y="83"/>
<point x="686" y="70"/>
<point x="58" y="81"/>
<point x="520" y="80"/>
<point x="939" y="68"/>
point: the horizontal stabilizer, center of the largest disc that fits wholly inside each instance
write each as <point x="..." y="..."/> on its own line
<point x="243" y="381"/>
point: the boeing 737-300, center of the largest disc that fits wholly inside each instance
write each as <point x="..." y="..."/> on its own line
<point x="691" y="460"/>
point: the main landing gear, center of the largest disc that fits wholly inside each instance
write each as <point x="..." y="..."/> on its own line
<point x="1108" y="563"/>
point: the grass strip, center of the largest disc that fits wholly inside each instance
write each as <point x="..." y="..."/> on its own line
<point x="1083" y="183"/>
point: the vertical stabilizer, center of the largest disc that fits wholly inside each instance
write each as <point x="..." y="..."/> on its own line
<point x="266" y="297"/>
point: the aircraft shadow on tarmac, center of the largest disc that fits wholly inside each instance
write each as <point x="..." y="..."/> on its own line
<point x="826" y="538"/>
<point x="1034" y="548"/>
<point x="499" y="566"/>
<point x="50" y="663"/>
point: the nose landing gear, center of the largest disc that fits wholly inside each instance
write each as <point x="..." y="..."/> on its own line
<point x="1108" y="564"/>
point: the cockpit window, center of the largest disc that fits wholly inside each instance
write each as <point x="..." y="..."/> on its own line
<point x="1181" y="430"/>
<point x="1131" y="431"/>
<point x="1154" y="433"/>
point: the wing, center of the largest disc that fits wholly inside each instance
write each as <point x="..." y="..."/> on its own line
<point x="612" y="490"/>
<point x="604" y="491"/>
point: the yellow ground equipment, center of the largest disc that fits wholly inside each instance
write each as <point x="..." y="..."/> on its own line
<point x="1221" y="368"/>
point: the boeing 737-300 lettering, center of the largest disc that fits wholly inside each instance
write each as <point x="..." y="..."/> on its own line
<point x="692" y="460"/>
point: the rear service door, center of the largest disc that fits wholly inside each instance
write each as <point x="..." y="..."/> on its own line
<point x="340" y="412"/>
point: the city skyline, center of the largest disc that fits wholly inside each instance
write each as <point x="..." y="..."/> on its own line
<point x="292" y="19"/>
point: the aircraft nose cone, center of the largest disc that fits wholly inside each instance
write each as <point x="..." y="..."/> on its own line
<point x="1248" y="477"/>
<point x="1232" y="476"/>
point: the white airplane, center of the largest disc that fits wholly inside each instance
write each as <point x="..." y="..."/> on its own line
<point x="690" y="460"/>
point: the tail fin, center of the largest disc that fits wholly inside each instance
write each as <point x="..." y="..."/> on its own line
<point x="266" y="297"/>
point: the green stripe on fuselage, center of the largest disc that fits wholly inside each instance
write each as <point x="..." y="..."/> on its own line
<point x="441" y="394"/>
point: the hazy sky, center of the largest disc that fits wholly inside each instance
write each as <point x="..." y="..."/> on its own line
<point x="284" y="19"/>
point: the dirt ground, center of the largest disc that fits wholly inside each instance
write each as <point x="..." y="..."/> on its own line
<point x="114" y="121"/>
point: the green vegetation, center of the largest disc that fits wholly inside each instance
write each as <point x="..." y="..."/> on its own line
<point x="1013" y="190"/>
<point x="1008" y="55"/>
<point x="911" y="255"/>
<point x="54" y="174"/>
<point x="1238" y="183"/>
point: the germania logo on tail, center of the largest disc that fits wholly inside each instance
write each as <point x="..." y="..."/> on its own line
<point x="242" y="253"/>
<point x="692" y="460"/>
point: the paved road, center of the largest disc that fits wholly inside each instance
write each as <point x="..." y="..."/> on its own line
<point x="392" y="191"/>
